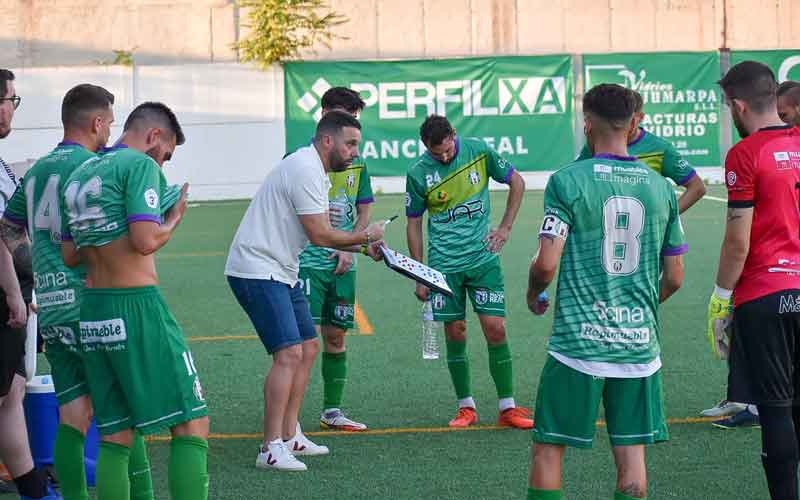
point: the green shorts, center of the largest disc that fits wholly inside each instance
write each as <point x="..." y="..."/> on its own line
<point x="66" y="361"/>
<point x="331" y="297"/>
<point x="484" y="286"/>
<point x="568" y="401"/>
<point x="141" y="374"/>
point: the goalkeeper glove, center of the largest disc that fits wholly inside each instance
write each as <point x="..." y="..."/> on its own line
<point x="719" y="318"/>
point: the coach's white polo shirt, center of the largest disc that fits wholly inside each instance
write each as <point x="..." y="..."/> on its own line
<point x="270" y="237"/>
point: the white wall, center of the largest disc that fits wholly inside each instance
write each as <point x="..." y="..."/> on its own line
<point x="232" y="117"/>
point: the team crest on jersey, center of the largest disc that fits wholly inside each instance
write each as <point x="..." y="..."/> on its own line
<point x="731" y="178"/>
<point x="441" y="195"/>
<point x="408" y="200"/>
<point x="151" y="198"/>
<point x="474" y="178"/>
<point x="343" y="311"/>
<point x="351" y="180"/>
<point x="481" y="297"/>
<point x="438" y="302"/>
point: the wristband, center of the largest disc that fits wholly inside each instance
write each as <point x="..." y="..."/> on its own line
<point x="722" y="293"/>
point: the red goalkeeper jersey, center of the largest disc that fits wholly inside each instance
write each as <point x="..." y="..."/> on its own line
<point x="762" y="171"/>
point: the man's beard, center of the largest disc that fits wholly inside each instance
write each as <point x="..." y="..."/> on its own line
<point x="739" y="126"/>
<point x="338" y="163"/>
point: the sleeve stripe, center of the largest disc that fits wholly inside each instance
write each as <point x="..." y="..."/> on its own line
<point x="508" y="175"/>
<point x="144" y="217"/>
<point x="688" y="177"/>
<point x="14" y="220"/>
<point x="364" y="201"/>
<point x="741" y="203"/>
<point x="679" y="250"/>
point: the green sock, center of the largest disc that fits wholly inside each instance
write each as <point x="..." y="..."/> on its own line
<point x="534" y="494"/>
<point x="68" y="461"/>
<point x="334" y="375"/>
<point x="188" y="468"/>
<point x="500" y="368"/>
<point x="458" y="364"/>
<point x="622" y="496"/>
<point x="139" y="470"/>
<point x="112" y="472"/>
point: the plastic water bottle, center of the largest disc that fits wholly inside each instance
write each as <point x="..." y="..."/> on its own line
<point x="430" y="329"/>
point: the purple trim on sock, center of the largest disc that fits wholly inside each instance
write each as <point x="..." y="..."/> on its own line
<point x="11" y="218"/>
<point x="508" y="175"/>
<point x="679" y="250"/>
<point x="642" y="133"/>
<point x="686" y="179"/>
<point x="607" y="156"/>
<point x="144" y="217"/>
<point x="411" y="213"/>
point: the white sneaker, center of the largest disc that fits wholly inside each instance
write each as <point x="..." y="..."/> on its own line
<point x="337" y="420"/>
<point x="723" y="408"/>
<point x="277" y="456"/>
<point x="301" y="445"/>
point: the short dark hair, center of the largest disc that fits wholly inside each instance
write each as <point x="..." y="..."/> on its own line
<point x="752" y="82"/>
<point x="638" y="101"/>
<point x="787" y="86"/>
<point x="610" y="102"/>
<point x="155" y="114"/>
<point x="82" y="100"/>
<point x="344" y="98"/>
<point x="434" y="130"/>
<point x="6" y="75"/>
<point x="334" y="121"/>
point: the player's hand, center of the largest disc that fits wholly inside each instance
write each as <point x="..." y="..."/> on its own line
<point x="345" y="261"/>
<point x="719" y="317"/>
<point x="375" y="231"/>
<point x="422" y="292"/>
<point x="17" y="311"/>
<point x="375" y="250"/>
<point x="539" y="304"/>
<point x="497" y="238"/>
<point x="175" y="214"/>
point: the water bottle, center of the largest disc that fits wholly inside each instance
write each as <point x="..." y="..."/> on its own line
<point x="430" y="329"/>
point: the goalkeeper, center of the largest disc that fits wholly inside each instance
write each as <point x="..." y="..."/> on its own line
<point x="759" y="262"/>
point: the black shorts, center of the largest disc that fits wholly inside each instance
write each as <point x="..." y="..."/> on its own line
<point x="12" y="355"/>
<point x="765" y="351"/>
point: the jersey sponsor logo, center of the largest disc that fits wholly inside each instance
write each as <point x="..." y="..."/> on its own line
<point x="619" y="314"/>
<point x="408" y="200"/>
<point x="614" y="335"/>
<point x="103" y="332"/>
<point x="57" y="298"/>
<point x="787" y="160"/>
<point x="343" y="311"/>
<point x="49" y="280"/>
<point x="731" y="178"/>
<point x="469" y="210"/>
<point x="198" y="389"/>
<point x="483" y="297"/>
<point x="620" y="174"/>
<point x="554" y="227"/>
<point x="63" y="334"/>
<point x="789" y="303"/>
<point x="151" y="198"/>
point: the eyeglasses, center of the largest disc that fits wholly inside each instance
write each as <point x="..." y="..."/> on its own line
<point x="15" y="100"/>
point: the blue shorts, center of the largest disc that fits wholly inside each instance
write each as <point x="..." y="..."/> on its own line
<point x="279" y="312"/>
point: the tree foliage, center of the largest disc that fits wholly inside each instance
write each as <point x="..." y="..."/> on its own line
<point x="281" y="29"/>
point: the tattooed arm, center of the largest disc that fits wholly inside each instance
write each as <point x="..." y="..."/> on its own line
<point x="14" y="237"/>
<point x="735" y="246"/>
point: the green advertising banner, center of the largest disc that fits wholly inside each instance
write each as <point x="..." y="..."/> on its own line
<point x="521" y="106"/>
<point x="785" y="63"/>
<point x="681" y="97"/>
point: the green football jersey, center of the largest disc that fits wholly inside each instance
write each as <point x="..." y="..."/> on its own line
<point x="618" y="218"/>
<point x="349" y="189"/>
<point x="658" y="154"/>
<point x="456" y="197"/>
<point x="36" y="205"/>
<point x="107" y="193"/>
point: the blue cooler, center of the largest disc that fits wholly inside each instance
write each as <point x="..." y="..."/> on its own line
<point x="41" y="416"/>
